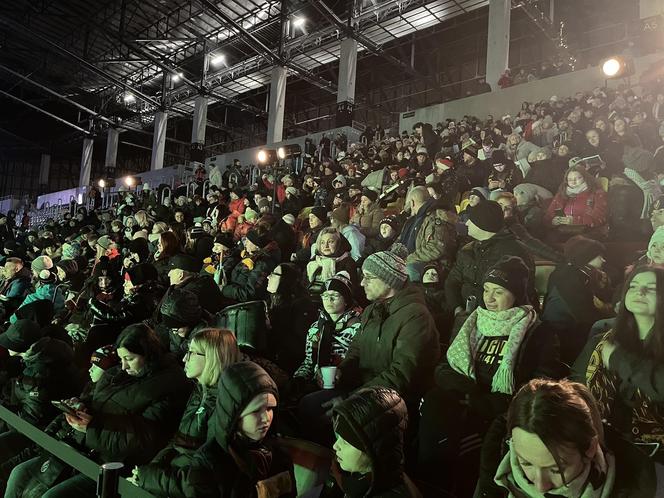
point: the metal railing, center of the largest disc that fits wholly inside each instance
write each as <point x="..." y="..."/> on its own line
<point x="107" y="476"/>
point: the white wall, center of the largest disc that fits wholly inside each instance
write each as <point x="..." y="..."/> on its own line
<point x="248" y="156"/>
<point x="509" y="100"/>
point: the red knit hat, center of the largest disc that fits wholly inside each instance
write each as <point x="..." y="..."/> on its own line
<point x="105" y="357"/>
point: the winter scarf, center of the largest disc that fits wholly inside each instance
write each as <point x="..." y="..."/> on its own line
<point x="327" y="266"/>
<point x="650" y="188"/>
<point x="596" y="480"/>
<point x="573" y="191"/>
<point x="646" y="416"/>
<point x="514" y="323"/>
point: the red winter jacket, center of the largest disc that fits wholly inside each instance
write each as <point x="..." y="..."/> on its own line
<point x="589" y="208"/>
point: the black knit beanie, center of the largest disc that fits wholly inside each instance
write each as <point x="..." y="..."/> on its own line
<point x="487" y="215"/>
<point x="580" y="250"/>
<point x="512" y="274"/>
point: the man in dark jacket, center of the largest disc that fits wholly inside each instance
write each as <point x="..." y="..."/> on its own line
<point x="398" y="343"/>
<point x="429" y="234"/>
<point x="15" y="285"/>
<point x="463" y="287"/>
<point x="248" y="279"/>
<point x="183" y="274"/>
<point x="180" y="316"/>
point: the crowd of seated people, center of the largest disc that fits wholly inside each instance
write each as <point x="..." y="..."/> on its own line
<point x="471" y="309"/>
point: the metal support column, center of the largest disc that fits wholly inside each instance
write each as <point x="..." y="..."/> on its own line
<point x="112" y="141"/>
<point x="159" y="140"/>
<point x="498" y="40"/>
<point x="346" y="85"/>
<point x="275" y="118"/>
<point x="86" y="162"/>
<point x="44" y="170"/>
<point x="198" y="129"/>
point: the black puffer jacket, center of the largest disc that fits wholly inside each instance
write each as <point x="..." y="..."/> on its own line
<point x="162" y="476"/>
<point x="473" y="262"/>
<point x="134" y="308"/>
<point x="378" y="417"/>
<point x="248" y="279"/>
<point x="48" y="374"/>
<point x="134" y="417"/>
<point x="229" y="465"/>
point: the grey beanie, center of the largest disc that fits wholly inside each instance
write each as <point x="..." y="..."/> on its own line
<point x="388" y="267"/>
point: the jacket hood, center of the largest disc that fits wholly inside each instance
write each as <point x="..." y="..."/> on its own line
<point x="377" y="416"/>
<point x="408" y="295"/>
<point x="238" y="385"/>
<point x="50" y="351"/>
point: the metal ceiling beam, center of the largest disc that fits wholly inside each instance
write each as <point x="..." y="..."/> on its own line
<point x="167" y="68"/>
<point x="24" y="30"/>
<point x="260" y="48"/>
<point x="346" y="27"/>
<point x="46" y="113"/>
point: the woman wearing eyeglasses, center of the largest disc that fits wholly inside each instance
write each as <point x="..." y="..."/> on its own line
<point x="210" y="352"/>
<point x="624" y="368"/>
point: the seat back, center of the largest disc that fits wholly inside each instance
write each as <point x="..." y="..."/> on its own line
<point x="247" y="321"/>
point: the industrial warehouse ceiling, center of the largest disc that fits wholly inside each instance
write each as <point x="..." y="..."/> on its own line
<point x="127" y="58"/>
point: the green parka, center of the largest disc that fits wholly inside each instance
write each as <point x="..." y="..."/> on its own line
<point x="396" y="347"/>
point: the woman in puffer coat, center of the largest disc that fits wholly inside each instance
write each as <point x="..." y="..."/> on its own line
<point x="370" y="426"/>
<point x="134" y="410"/>
<point x="210" y="352"/>
<point x="579" y="207"/>
<point x="331" y="255"/>
<point x="242" y="457"/>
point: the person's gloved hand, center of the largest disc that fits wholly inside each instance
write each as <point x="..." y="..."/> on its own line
<point x="331" y="404"/>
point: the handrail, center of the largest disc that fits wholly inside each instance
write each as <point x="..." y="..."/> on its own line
<point x="73" y="458"/>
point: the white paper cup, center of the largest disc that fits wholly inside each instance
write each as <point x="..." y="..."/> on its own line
<point x="329" y="376"/>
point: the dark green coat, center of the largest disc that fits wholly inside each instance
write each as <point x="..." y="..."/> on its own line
<point x="473" y="262"/>
<point x="134" y="417"/>
<point x="162" y="476"/>
<point x="396" y="347"/>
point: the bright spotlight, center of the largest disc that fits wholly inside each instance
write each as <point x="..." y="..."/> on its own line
<point x="611" y="67"/>
<point x="101" y="183"/>
<point x="298" y="22"/>
<point x="266" y="156"/>
<point x="129" y="98"/>
<point x="289" y="151"/>
<point x="218" y="60"/>
<point x="130" y="181"/>
<point x="176" y="77"/>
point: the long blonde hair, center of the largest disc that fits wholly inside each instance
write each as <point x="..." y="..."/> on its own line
<point x="220" y="349"/>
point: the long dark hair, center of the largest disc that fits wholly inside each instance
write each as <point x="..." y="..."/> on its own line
<point x="626" y="331"/>
<point x="561" y="413"/>
<point x="142" y="340"/>
<point x="170" y="244"/>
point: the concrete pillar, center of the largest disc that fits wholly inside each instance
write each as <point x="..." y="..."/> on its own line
<point x="111" y="161"/>
<point x="198" y="129"/>
<point x="86" y="162"/>
<point x="276" y="108"/>
<point x="498" y="41"/>
<point x="44" y="169"/>
<point x="159" y="140"/>
<point x="649" y="8"/>
<point x="346" y="84"/>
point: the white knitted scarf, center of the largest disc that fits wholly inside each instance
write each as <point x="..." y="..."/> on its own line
<point x="513" y="323"/>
